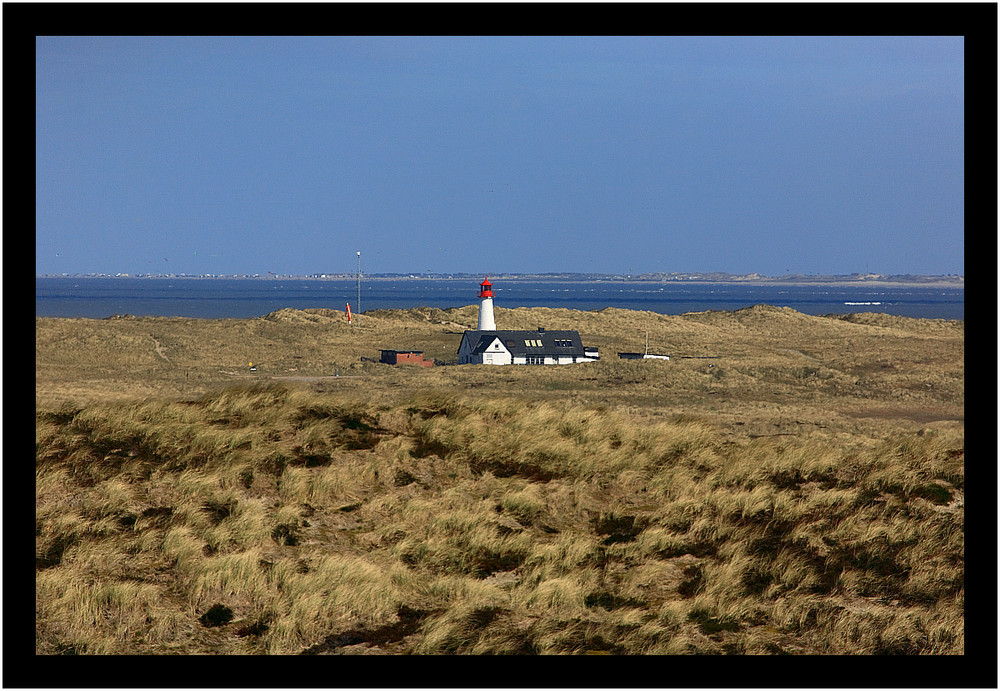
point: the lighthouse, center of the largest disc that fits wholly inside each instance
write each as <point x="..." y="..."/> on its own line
<point x="486" y="322"/>
<point x="489" y="346"/>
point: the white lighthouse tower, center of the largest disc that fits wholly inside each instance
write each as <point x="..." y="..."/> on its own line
<point x="486" y="322"/>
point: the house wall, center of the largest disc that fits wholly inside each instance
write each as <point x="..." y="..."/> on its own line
<point x="465" y="353"/>
<point x="393" y="358"/>
<point x="501" y="357"/>
<point x="413" y="359"/>
<point x="495" y="354"/>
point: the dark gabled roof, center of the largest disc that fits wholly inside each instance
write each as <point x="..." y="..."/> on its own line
<point x="553" y="343"/>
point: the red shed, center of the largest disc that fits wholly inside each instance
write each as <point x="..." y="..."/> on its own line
<point x="405" y="357"/>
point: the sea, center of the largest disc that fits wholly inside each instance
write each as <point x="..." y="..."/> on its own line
<point x="245" y="298"/>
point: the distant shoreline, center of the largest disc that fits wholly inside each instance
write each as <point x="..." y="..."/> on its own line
<point x="904" y="280"/>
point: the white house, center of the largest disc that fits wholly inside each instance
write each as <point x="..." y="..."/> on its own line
<point x="489" y="346"/>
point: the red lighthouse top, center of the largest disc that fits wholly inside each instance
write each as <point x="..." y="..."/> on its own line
<point x="486" y="289"/>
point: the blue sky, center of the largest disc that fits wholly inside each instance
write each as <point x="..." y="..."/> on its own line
<point x="815" y="155"/>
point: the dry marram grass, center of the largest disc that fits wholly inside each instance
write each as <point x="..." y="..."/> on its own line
<point x="803" y="495"/>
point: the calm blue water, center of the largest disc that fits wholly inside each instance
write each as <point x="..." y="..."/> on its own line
<point x="246" y="298"/>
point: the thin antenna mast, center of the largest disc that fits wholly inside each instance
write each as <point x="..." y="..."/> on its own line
<point x="359" y="285"/>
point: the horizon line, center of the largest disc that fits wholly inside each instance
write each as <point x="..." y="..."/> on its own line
<point x="690" y="275"/>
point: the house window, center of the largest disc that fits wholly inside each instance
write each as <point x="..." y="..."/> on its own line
<point x="533" y="342"/>
<point x="564" y="343"/>
<point x="535" y="360"/>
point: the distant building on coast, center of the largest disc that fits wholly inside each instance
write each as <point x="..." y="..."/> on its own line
<point x="488" y="345"/>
